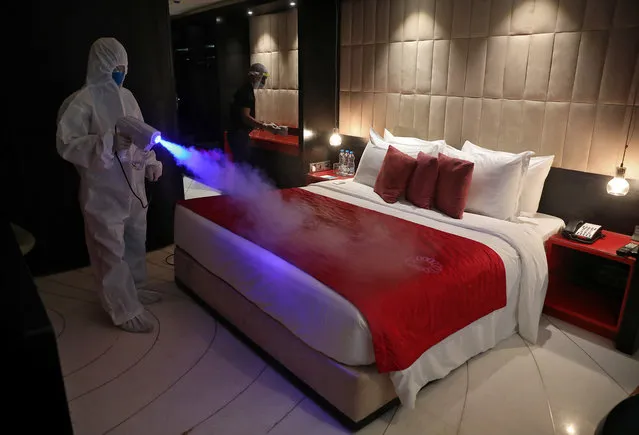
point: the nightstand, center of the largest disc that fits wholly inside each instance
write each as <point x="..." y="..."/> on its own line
<point x="594" y="288"/>
<point x="316" y="177"/>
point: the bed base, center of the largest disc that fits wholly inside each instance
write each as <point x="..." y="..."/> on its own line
<point x="355" y="396"/>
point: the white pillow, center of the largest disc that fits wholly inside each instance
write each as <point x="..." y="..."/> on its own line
<point x="494" y="189"/>
<point x="471" y="148"/>
<point x="389" y="137"/>
<point x="375" y="151"/>
<point x="377" y="139"/>
<point x="538" y="170"/>
<point x="533" y="181"/>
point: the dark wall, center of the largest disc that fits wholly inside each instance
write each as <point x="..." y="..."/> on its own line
<point x="206" y="86"/>
<point x="44" y="200"/>
<point x="581" y="195"/>
<point x="196" y="63"/>
<point x="235" y="57"/>
<point x="318" y="34"/>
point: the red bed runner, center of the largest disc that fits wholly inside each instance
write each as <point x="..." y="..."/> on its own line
<point x="413" y="284"/>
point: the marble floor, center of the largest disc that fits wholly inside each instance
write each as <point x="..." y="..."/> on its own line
<point x="191" y="376"/>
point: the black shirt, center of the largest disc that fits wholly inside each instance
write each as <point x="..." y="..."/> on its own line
<point x="244" y="97"/>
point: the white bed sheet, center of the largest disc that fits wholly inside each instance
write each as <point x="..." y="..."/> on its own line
<point x="543" y="224"/>
<point x="332" y="325"/>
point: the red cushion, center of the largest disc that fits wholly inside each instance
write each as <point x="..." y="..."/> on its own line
<point x="453" y="182"/>
<point x="394" y="174"/>
<point x="421" y="187"/>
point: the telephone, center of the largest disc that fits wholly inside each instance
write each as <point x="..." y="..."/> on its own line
<point x="582" y="232"/>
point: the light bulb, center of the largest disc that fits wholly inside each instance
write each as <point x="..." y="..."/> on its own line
<point x="308" y="134"/>
<point x="335" y="139"/>
<point x="618" y="186"/>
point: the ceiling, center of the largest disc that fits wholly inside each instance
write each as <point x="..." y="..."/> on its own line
<point x="178" y="7"/>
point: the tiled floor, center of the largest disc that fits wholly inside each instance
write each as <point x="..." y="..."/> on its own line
<point x="195" y="189"/>
<point x="192" y="376"/>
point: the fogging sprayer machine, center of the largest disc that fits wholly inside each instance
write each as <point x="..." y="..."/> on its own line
<point x="143" y="136"/>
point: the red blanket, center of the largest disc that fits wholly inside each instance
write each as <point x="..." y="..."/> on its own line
<point x="413" y="284"/>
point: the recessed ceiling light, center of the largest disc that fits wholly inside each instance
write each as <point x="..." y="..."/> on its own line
<point x="218" y="19"/>
<point x="292" y="4"/>
<point x="250" y="12"/>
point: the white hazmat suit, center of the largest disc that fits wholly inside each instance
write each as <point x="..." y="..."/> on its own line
<point x="115" y="220"/>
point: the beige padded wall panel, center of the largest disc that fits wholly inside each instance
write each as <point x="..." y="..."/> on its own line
<point x="570" y="15"/>
<point x="522" y="17"/>
<point x="426" y="21"/>
<point x="590" y="63"/>
<point x="381" y="67"/>
<point x="533" y="124"/>
<point x="457" y="67"/>
<point x="552" y="76"/>
<point x="516" y="65"/>
<point x="495" y="66"/>
<point x="443" y="18"/>
<point x="453" y="119"/>
<point x="441" y="52"/>
<point x="461" y="19"/>
<point x="598" y="15"/>
<point x="273" y="40"/>
<point x="471" y="119"/>
<point x="480" y="18"/>
<point x="490" y="123"/>
<point x="512" y="122"/>
<point x="368" y="68"/>
<point x="581" y="121"/>
<point x="476" y="67"/>
<point x="370" y="10"/>
<point x="424" y="66"/>
<point x="545" y="16"/>
<point x="562" y="69"/>
<point x="422" y="110"/>
<point x="538" y="72"/>
<point x="436" y="119"/>
<point x="627" y="14"/>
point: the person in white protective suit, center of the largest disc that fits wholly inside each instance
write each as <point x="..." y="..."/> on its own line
<point x="112" y="194"/>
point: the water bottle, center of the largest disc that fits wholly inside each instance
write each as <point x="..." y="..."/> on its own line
<point x="351" y="163"/>
<point x="342" y="162"/>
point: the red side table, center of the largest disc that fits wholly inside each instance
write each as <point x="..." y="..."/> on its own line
<point x="591" y="286"/>
<point x="316" y="177"/>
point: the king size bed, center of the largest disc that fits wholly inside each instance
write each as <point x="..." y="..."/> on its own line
<point x="292" y="298"/>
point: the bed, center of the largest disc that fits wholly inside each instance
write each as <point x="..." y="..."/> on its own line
<point x="320" y="336"/>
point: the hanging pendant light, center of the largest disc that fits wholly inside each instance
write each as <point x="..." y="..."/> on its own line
<point x="335" y="139"/>
<point x="618" y="186"/>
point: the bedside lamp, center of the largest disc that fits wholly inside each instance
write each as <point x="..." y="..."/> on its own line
<point x="618" y="186"/>
<point x="335" y="139"/>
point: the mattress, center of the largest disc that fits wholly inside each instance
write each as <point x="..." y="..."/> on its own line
<point x="319" y="316"/>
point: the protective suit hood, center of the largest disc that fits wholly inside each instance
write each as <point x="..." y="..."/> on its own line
<point x="104" y="56"/>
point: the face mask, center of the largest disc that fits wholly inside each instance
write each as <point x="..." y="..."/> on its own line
<point x="118" y="77"/>
<point x="259" y="84"/>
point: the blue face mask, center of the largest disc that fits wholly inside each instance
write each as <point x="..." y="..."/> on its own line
<point x="118" y="77"/>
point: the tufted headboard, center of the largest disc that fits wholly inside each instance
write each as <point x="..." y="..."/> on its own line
<point x="553" y="76"/>
<point x="273" y="39"/>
